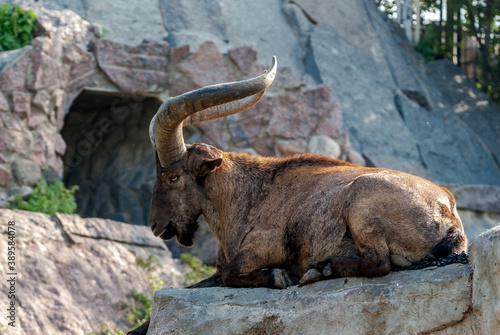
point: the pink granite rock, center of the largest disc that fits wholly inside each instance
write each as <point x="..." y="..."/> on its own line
<point x="4" y="104"/>
<point x="297" y="114"/>
<point x="11" y="121"/>
<point x="4" y="176"/>
<point x="179" y="53"/>
<point x="331" y="124"/>
<point x="82" y="65"/>
<point x="46" y="66"/>
<point x="289" y="148"/>
<point x="13" y="75"/>
<point x="21" y="103"/>
<point x="247" y="124"/>
<point x="41" y="100"/>
<point x="134" y="69"/>
<point x="206" y="66"/>
<point x="243" y="57"/>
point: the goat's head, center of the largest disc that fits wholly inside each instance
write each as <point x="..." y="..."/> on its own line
<point x="178" y="192"/>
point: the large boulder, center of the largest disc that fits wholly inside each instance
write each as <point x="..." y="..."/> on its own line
<point x="485" y="255"/>
<point x="399" y="303"/>
<point x="455" y="299"/>
<point x="74" y="275"/>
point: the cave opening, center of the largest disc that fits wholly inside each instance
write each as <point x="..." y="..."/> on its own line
<point x="110" y="157"/>
<point x="109" y="154"/>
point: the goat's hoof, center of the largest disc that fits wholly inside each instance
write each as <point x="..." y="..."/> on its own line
<point x="310" y="276"/>
<point x="281" y="278"/>
<point x="327" y="270"/>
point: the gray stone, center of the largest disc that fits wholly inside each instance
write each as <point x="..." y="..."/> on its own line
<point x="22" y="191"/>
<point x="324" y="145"/>
<point x="122" y="23"/>
<point x="297" y="17"/>
<point x="289" y="148"/>
<point x="485" y="256"/>
<point x="459" y="94"/>
<point x="243" y="24"/>
<point x="484" y="198"/>
<point x="408" y="302"/>
<point x="26" y="172"/>
<point x="367" y="104"/>
<point x="476" y="222"/>
<point x="355" y="157"/>
<point x="450" y="150"/>
<point x="106" y="229"/>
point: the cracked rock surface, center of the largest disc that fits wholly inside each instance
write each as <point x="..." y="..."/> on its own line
<point x="73" y="275"/>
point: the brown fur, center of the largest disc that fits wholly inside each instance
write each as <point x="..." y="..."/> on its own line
<point x="301" y="212"/>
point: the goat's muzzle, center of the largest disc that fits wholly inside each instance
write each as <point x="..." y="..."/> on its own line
<point x="165" y="233"/>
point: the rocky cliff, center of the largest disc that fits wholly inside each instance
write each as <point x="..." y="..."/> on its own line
<point x="76" y="106"/>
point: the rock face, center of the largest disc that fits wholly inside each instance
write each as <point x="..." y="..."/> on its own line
<point x="455" y="299"/>
<point x="74" y="274"/>
<point x="401" y="113"/>
<point x="346" y="73"/>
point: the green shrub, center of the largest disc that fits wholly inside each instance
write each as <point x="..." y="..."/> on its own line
<point x="199" y="271"/>
<point x="150" y="264"/>
<point x="141" y="305"/>
<point x="141" y="309"/>
<point x="48" y="199"/>
<point x="429" y="45"/>
<point x="16" y="27"/>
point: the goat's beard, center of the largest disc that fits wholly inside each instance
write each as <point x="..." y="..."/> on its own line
<point x="186" y="235"/>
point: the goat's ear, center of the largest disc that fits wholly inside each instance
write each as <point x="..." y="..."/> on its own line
<point x="158" y="165"/>
<point x="208" y="165"/>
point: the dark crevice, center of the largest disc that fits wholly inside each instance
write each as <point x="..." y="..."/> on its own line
<point x="119" y="241"/>
<point x="418" y="97"/>
<point x="421" y="156"/>
<point x="313" y="21"/>
<point x="67" y="237"/>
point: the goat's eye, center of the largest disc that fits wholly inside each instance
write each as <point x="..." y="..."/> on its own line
<point x="174" y="179"/>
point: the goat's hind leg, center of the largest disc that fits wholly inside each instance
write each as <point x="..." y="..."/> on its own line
<point x="371" y="263"/>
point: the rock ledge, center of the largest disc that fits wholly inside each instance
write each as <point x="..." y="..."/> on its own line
<point x="445" y="300"/>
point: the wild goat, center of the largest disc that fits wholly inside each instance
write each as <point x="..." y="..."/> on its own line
<point x="277" y="218"/>
<point x="283" y="221"/>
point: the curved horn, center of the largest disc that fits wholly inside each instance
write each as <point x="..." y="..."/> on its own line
<point x="206" y="103"/>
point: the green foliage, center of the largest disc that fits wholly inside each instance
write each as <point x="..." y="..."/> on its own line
<point x="140" y="304"/>
<point x="429" y="45"/>
<point x="150" y="264"/>
<point x="48" y="199"/>
<point x="16" y="27"/>
<point x="140" y="310"/>
<point x="199" y="271"/>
